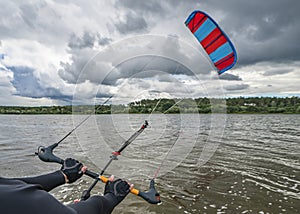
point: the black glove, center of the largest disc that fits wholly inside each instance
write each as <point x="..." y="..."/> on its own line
<point x="117" y="190"/>
<point x="72" y="169"/>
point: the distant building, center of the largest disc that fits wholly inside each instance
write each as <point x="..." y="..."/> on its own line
<point x="249" y="104"/>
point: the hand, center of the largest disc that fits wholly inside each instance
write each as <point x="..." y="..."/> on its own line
<point x="117" y="190"/>
<point x="72" y="170"/>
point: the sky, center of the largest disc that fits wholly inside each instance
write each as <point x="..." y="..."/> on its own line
<point x="73" y="52"/>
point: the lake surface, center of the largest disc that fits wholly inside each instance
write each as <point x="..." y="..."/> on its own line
<point x="208" y="163"/>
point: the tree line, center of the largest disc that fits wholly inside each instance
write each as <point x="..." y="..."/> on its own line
<point x="239" y="105"/>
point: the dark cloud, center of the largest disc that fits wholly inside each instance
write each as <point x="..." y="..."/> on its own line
<point x="140" y="67"/>
<point x="277" y="72"/>
<point x="166" y="78"/>
<point x="35" y="21"/>
<point x="228" y="76"/>
<point x="27" y="85"/>
<point x="151" y="13"/>
<point x="133" y="23"/>
<point x="147" y="67"/>
<point x="103" y="95"/>
<point x="82" y="68"/>
<point x="88" y="40"/>
<point x="103" y="41"/>
<point x="149" y="6"/>
<point x="238" y="87"/>
<point x="260" y="30"/>
<point x="82" y="49"/>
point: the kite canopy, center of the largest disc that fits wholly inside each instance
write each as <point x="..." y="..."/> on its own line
<point x="214" y="41"/>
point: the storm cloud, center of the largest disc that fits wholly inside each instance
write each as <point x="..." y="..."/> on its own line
<point x="132" y="22"/>
<point x="277" y="72"/>
<point x="236" y="87"/>
<point x="259" y="30"/>
<point x="227" y="76"/>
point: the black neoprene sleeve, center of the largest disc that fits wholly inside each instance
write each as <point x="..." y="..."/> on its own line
<point x="95" y="205"/>
<point x="47" y="182"/>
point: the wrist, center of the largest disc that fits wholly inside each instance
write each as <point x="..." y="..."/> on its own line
<point x="111" y="199"/>
<point x="65" y="177"/>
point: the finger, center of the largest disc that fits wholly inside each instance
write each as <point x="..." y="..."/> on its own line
<point x="83" y="169"/>
<point x="111" y="178"/>
<point x="131" y="186"/>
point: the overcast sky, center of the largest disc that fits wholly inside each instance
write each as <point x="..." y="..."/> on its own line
<point x="63" y="52"/>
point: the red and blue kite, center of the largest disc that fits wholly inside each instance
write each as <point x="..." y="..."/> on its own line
<point x="214" y="41"/>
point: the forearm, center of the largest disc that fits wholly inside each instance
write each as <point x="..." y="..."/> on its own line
<point x="94" y="205"/>
<point x="47" y="181"/>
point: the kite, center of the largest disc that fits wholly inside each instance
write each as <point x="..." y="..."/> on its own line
<point x="214" y="41"/>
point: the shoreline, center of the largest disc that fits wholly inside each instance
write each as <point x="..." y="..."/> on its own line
<point x="239" y="105"/>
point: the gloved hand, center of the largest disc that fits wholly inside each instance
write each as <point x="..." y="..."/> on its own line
<point x="116" y="190"/>
<point x="72" y="169"/>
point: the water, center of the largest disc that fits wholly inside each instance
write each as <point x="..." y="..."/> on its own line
<point x="254" y="168"/>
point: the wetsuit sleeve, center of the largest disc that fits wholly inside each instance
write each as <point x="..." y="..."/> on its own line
<point x="47" y="181"/>
<point x="95" y="205"/>
<point x="18" y="197"/>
